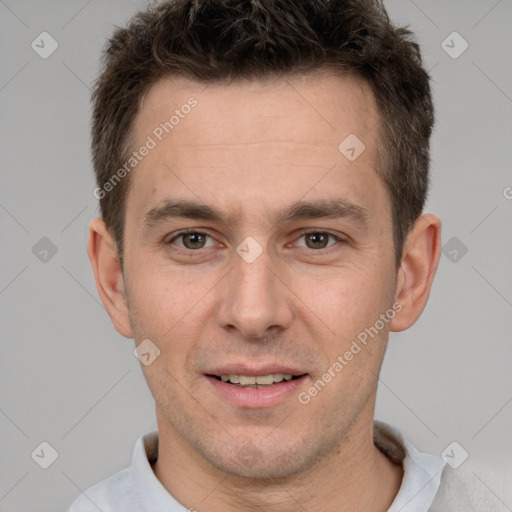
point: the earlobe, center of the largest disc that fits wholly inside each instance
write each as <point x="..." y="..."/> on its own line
<point x="420" y="259"/>
<point x="102" y="253"/>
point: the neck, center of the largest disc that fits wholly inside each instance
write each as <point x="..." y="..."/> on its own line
<point x="355" y="475"/>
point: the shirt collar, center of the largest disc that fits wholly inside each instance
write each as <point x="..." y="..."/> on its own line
<point x="422" y="471"/>
<point x="148" y="491"/>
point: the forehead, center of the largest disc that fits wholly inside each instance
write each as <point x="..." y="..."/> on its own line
<point x="257" y="142"/>
<point x="333" y="101"/>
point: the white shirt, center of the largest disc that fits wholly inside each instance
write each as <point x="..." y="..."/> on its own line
<point x="137" y="489"/>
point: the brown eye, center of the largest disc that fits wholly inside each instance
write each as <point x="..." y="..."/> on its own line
<point x="320" y="241"/>
<point x="194" y="240"/>
<point x="317" y="240"/>
<point x="191" y="240"/>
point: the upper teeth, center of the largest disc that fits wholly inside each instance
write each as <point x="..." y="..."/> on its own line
<point x="245" y="380"/>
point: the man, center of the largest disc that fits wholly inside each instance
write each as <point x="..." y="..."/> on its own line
<point x="262" y="167"/>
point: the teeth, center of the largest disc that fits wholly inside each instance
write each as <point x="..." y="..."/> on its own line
<point x="244" y="381"/>
<point x="262" y="380"/>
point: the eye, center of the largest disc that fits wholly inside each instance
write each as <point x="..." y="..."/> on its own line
<point x="191" y="239"/>
<point x="318" y="239"/>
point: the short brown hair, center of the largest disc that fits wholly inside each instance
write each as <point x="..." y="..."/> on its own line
<point x="223" y="40"/>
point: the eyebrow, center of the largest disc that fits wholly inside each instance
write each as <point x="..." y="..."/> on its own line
<point x="301" y="210"/>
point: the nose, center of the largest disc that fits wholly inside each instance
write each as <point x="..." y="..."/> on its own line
<point x="255" y="298"/>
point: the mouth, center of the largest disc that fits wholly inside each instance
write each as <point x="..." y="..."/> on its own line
<point x="256" y="381"/>
<point x="247" y="386"/>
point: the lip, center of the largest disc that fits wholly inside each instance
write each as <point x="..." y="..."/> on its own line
<point x="254" y="371"/>
<point x="256" y="398"/>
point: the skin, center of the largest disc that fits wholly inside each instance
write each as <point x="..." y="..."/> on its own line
<point x="251" y="149"/>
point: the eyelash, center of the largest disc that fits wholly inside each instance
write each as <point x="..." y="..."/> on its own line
<point x="190" y="251"/>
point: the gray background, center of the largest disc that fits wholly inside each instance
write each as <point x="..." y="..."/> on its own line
<point x="69" y="379"/>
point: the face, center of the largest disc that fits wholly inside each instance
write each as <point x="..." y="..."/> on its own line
<point x="254" y="246"/>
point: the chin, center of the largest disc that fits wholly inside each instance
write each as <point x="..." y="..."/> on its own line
<point x="263" y="471"/>
<point x="268" y="463"/>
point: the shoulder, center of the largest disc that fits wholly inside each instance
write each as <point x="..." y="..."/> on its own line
<point x="109" y="495"/>
<point x="473" y="487"/>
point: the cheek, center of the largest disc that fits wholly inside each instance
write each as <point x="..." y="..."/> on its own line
<point x="163" y="304"/>
<point x="345" y="302"/>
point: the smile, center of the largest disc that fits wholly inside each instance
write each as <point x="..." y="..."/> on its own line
<point x="256" y="391"/>
<point x="255" y="382"/>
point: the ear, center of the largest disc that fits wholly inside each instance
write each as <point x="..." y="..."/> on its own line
<point x="107" y="272"/>
<point x="420" y="258"/>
